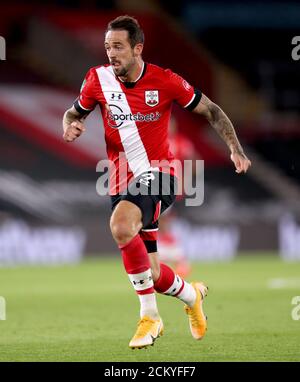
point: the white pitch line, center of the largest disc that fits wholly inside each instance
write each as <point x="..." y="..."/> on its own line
<point x="284" y="283"/>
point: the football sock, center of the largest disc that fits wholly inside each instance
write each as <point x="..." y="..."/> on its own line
<point x="137" y="265"/>
<point x="148" y="306"/>
<point x="171" y="284"/>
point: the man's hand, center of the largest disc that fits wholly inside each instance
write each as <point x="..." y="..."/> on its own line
<point x="73" y="131"/>
<point x="72" y="124"/>
<point x="241" y="162"/>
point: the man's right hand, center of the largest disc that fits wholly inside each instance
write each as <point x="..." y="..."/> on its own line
<point x="73" y="131"/>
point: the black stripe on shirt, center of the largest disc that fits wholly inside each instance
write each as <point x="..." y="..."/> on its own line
<point x="196" y="100"/>
<point x="80" y="109"/>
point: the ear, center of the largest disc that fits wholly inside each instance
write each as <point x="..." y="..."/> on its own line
<point x="138" y="49"/>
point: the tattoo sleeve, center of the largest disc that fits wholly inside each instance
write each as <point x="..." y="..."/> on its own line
<point x="221" y="123"/>
<point x="72" y="115"/>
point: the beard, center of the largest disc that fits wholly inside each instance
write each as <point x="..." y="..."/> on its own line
<point x="120" y="72"/>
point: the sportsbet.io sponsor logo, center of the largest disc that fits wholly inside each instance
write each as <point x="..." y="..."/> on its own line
<point x="116" y="117"/>
<point x="2" y="49"/>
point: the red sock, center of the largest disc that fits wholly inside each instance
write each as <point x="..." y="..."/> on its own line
<point x="168" y="282"/>
<point x="137" y="265"/>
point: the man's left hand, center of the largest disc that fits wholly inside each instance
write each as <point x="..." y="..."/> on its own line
<point x="241" y="162"/>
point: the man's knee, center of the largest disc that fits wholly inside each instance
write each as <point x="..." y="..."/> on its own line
<point x="125" y="223"/>
<point x="121" y="230"/>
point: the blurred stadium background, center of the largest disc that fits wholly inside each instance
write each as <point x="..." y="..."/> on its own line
<point x="239" y="53"/>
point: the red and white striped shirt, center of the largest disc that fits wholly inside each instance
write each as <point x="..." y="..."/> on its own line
<point x="136" y="128"/>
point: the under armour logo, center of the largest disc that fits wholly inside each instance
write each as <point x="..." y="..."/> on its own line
<point x="138" y="282"/>
<point x="141" y="282"/>
<point x="146" y="178"/>
<point x="116" y="96"/>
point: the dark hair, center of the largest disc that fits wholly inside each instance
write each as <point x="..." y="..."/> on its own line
<point x="129" y="24"/>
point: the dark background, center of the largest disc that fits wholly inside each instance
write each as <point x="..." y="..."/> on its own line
<point x="239" y="53"/>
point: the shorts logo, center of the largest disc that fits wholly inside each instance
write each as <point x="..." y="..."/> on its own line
<point x="146" y="178"/>
<point x="151" y="97"/>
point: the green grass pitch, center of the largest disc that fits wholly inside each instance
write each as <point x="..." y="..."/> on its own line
<point x="88" y="312"/>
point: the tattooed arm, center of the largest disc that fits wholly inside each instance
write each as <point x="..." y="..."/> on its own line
<point x="221" y="123"/>
<point x="72" y="124"/>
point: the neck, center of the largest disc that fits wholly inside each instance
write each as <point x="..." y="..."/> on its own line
<point x="135" y="72"/>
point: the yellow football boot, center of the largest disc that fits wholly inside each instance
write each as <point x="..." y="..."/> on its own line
<point x="197" y="318"/>
<point x="147" y="332"/>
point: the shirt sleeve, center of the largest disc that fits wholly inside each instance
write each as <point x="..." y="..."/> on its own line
<point x="86" y="101"/>
<point x="182" y="92"/>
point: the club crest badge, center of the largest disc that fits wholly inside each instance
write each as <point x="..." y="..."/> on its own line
<point x="151" y="97"/>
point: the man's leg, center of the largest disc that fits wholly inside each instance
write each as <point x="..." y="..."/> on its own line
<point x="168" y="283"/>
<point x="165" y="279"/>
<point x="126" y="222"/>
<point x="170" y="249"/>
